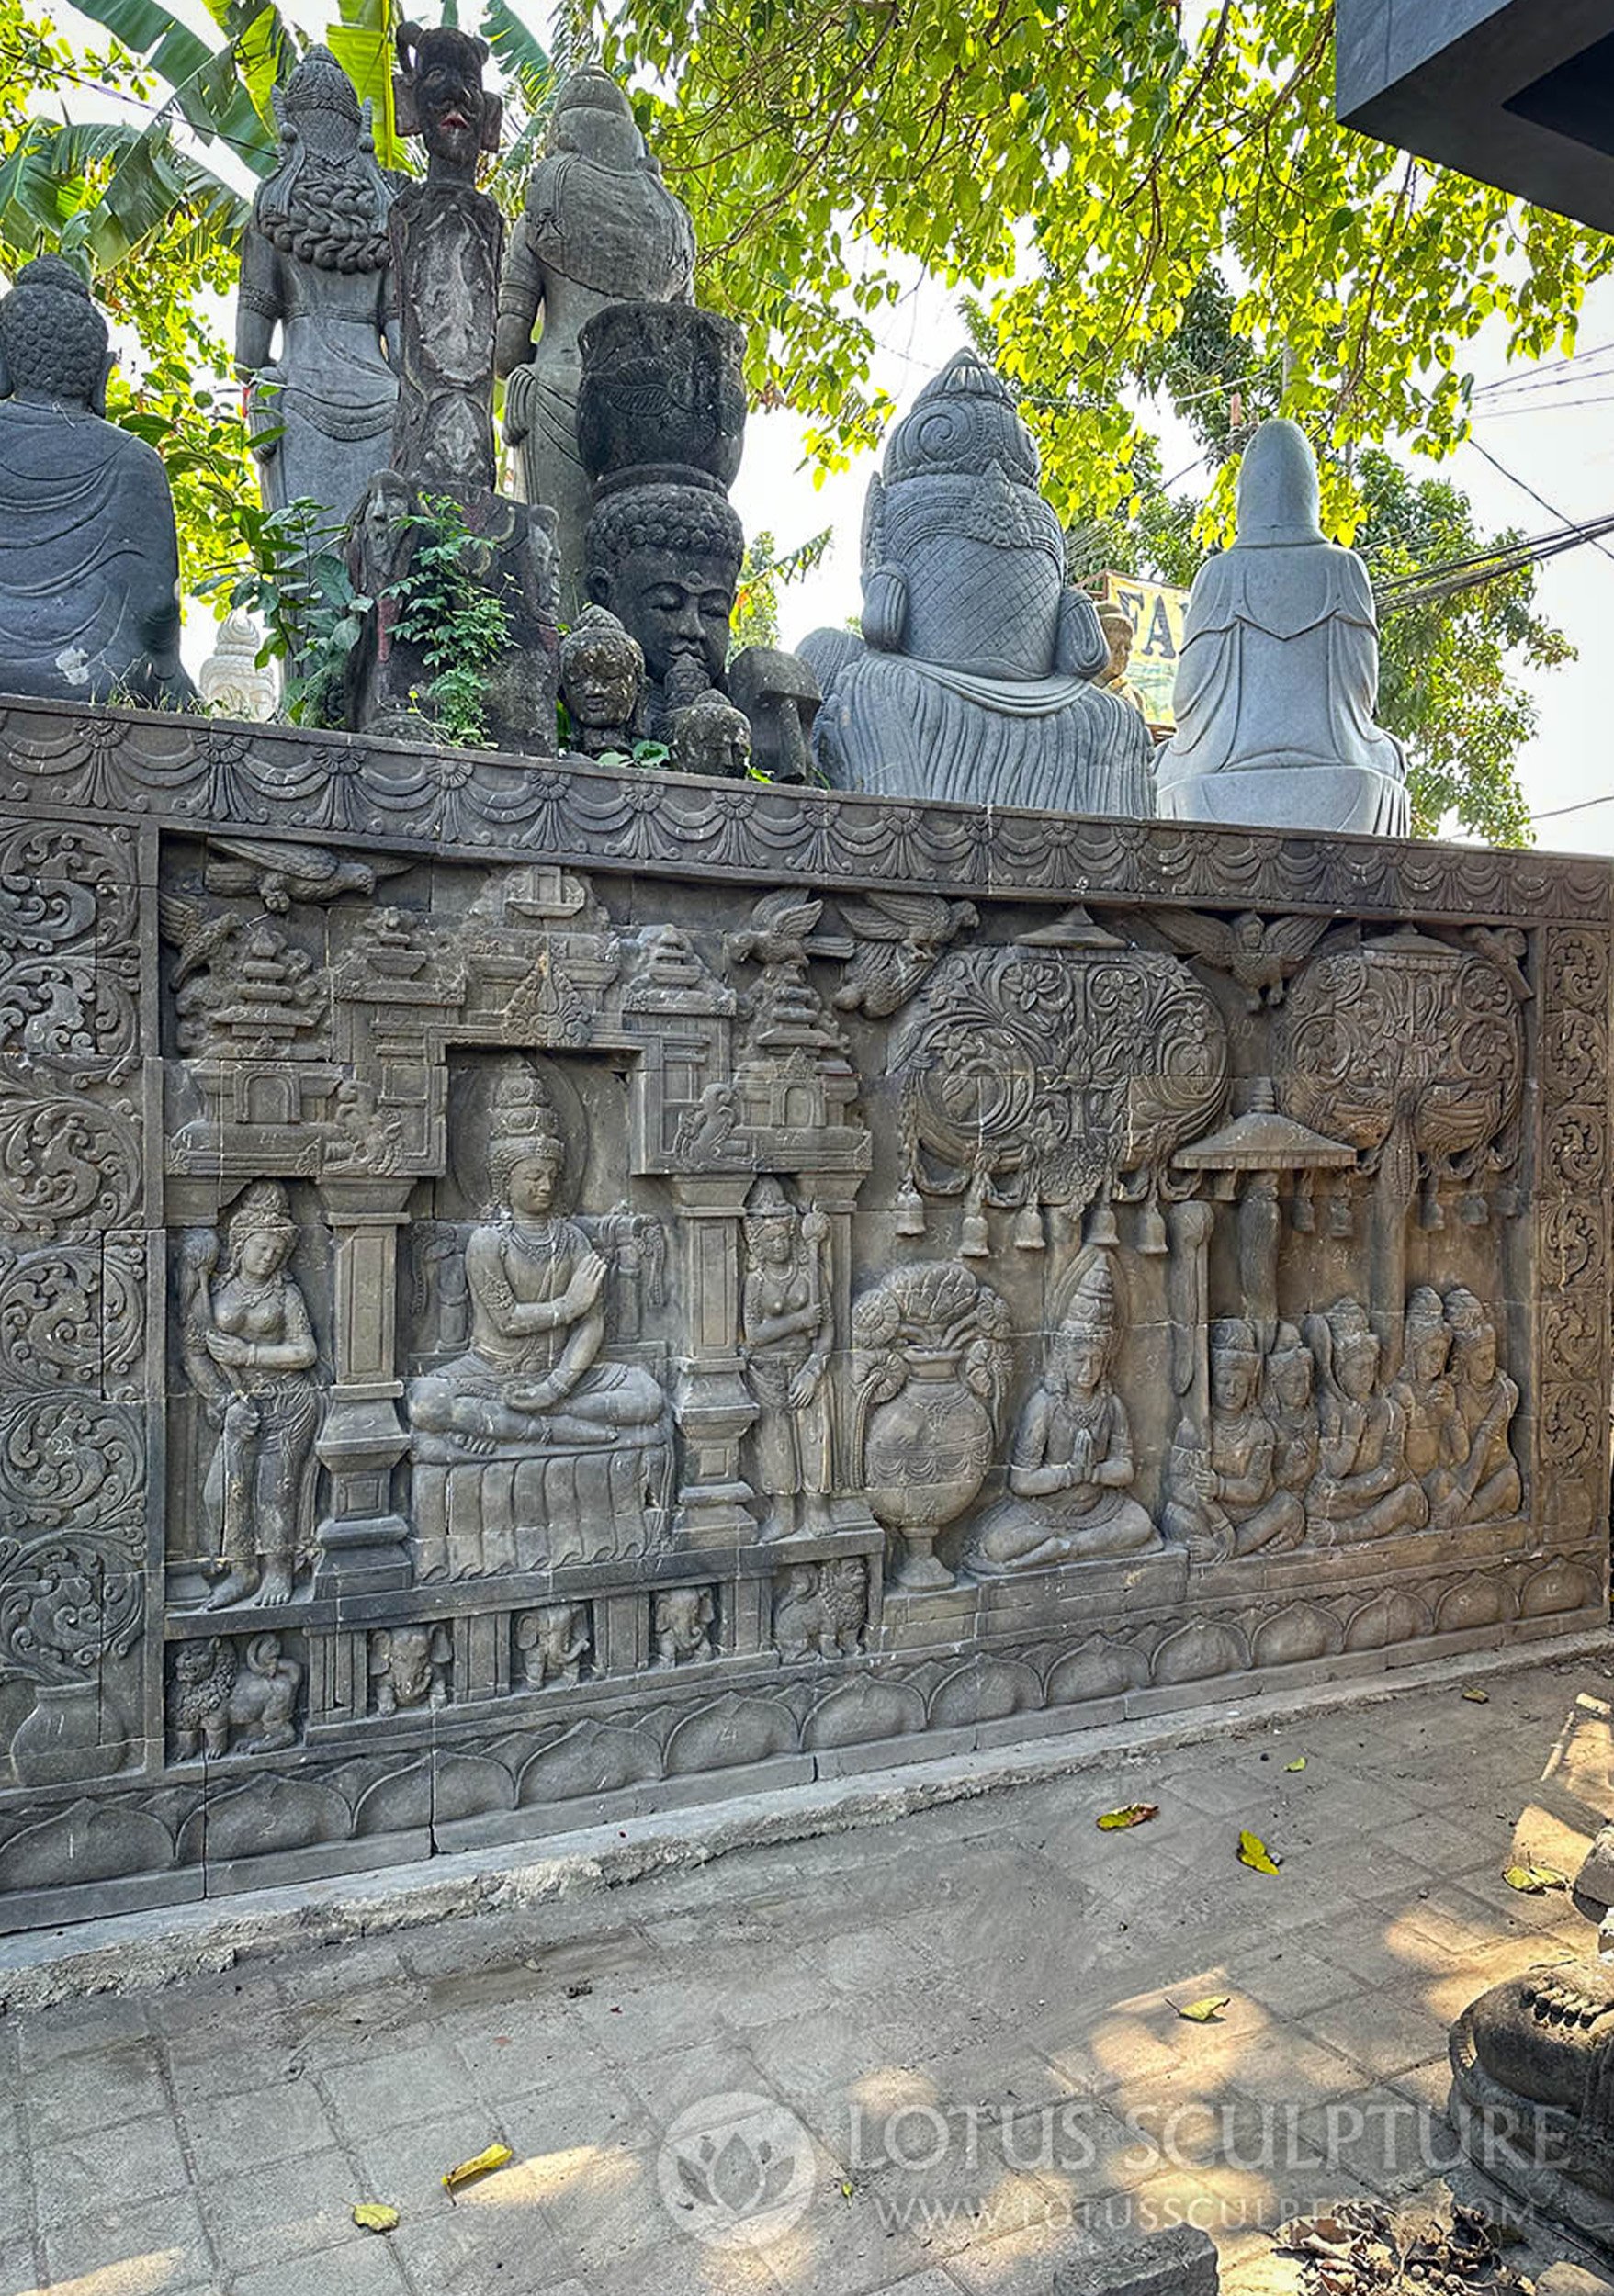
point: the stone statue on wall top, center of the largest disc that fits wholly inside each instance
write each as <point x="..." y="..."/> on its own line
<point x="535" y="1387"/>
<point x="89" y="560"/>
<point x="602" y="684"/>
<point x="1278" y="674"/>
<point x="973" y="678"/>
<point x="447" y="239"/>
<point x="316" y="268"/>
<point x="250" y="1355"/>
<point x="598" y="226"/>
<point x="1071" y="1468"/>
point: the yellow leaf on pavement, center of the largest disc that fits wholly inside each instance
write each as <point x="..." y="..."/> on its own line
<point x="376" y="2216"/>
<point x="495" y="2156"/>
<point x="1254" y="1852"/>
<point x="1134" y="1814"/>
<point x="1298" y="1763"/>
<point x="1205" y="2013"/>
<point x="1534" y="1880"/>
<point x="1477" y="1697"/>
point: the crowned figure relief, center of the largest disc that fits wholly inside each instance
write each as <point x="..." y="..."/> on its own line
<point x="534" y="1448"/>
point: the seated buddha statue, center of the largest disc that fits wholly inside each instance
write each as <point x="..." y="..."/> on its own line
<point x="972" y="678"/>
<point x="1070" y="1473"/>
<point x="1278" y="674"/>
<point x="89" y="563"/>
<point x="535" y="1382"/>
<point x="1227" y="1498"/>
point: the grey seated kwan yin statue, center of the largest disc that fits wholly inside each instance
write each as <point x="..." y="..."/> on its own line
<point x="1279" y="669"/>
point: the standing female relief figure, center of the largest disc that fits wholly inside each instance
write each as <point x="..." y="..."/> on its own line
<point x="251" y="1354"/>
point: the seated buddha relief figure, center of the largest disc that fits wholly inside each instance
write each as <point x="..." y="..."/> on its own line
<point x="534" y="1448"/>
<point x="1070" y="1473"/>
<point x="972" y="678"/>
<point x="1486" y="1486"/>
<point x="1363" y="1487"/>
<point x="1435" y="1436"/>
<point x="1228" y="1500"/>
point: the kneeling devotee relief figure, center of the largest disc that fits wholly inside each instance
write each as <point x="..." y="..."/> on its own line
<point x="1071" y="1470"/>
<point x="533" y="1447"/>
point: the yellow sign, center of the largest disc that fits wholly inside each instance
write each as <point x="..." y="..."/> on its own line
<point x="1154" y="611"/>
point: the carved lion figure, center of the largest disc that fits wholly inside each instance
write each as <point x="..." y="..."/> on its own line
<point x="219" y="1686"/>
<point x="823" y="1608"/>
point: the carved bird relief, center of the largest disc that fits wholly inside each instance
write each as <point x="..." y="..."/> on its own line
<point x="1260" y="956"/>
<point x="900" y="937"/>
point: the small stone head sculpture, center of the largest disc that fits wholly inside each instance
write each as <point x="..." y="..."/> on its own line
<point x="1086" y="1343"/>
<point x="525" y="1154"/>
<point x="665" y="560"/>
<point x="602" y="681"/>
<point x="1291" y="1373"/>
<point x="1116" y="625"/>
<point x="780" y="695"/>
<point x="710" y="735"/>
<point x="1428" y="1337"/>
<point x="1347" y="1349"/>
<point x="440" y="97"/>
<point x="53" y="341"/>
<point x="770" y="1225"/>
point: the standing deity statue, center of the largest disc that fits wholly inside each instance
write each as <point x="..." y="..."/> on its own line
<point x="787" y="1326"/>
<point x="1279" y="673"/>
<point x="972" y="677"/>
<point x="315" y="266"/>
<point x="1071" y="1470"/>
<point x="89" y="560"/>
<point x="598" y="226"/>
<point x="251" y="1355"/>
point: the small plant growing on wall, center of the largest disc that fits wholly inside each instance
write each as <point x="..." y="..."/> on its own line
<point x="447" y="610"/>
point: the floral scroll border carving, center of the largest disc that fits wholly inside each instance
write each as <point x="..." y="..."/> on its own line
<point x="1572" y="1226"/>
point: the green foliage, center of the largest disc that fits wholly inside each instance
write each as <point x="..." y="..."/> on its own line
<point x="644" y="753"/>
<point x="300" y="586"/>
<point x="446" y="610"/>
<point x="763" y="571"/>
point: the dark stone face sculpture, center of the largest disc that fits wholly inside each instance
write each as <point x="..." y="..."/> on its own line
<point x="972" y="678"/>
<point x="598" y="227"/>
<point x="89" y="562"/>
<point x="441" y="99"/>
<point x="712" y="738"/>
<point x="316" y="270"/>
<point x="665" y="560"/>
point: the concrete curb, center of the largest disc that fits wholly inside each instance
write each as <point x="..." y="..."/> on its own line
<point x="128" y="1952"/>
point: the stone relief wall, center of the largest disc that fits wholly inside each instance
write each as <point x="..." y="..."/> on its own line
<point x="530" y="1293"/>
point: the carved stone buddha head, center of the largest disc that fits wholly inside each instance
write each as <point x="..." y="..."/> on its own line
<point x="963" y="562"/>
<point x="1236" y="1365"/>
<point x="53" y="341"/>
<point x="525" y="1153"/>
<point x="602" y="679"/>
<point x="665" y="560"/>
<point x="710" y="735"/>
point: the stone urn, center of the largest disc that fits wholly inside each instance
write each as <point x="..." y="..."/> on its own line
<point x="926" y="1454"/>
<point x="662" y="384"/>
<point x="931" y="1363"/>
<point x="60" y="1742"/>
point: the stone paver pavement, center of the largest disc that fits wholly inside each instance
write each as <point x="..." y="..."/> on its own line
<point x="943" y="2051"/>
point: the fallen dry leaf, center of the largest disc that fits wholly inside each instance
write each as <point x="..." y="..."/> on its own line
<point x="1254" y="1852"/>
<point x="467" y="2172"/>
<point x="1477" y="1697"/>
<point x="1535" y="1880"/>
<point x="1205" y="2013"/>
<point x="376" y="2216"/>
<point x="1134" y="1814"/>
<point x="1298" y="1763"/>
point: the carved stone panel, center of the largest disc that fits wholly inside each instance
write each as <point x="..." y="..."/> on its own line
<point x="617" y="1280"/>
